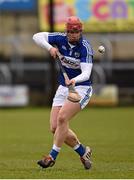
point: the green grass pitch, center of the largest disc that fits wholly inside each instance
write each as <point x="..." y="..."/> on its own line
<point x="25" y="138"/>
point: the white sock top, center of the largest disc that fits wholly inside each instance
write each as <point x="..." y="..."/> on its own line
<point x="56" y="148"/>
<point x="76" y="146"/>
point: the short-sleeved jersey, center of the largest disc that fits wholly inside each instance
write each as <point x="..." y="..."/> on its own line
<point x="82" y="52"/>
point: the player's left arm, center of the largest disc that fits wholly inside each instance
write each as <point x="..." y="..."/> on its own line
<point x="86" y="69"/>
<point x="86" y="64"/>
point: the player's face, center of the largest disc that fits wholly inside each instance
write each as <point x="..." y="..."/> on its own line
<point x="73" y="36"/>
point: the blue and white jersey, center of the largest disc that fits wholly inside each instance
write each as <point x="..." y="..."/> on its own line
<point x="81" y="53"/>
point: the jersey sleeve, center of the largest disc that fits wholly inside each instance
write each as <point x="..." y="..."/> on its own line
<point x="86" y="53"/>
<point x="54" y="38"/>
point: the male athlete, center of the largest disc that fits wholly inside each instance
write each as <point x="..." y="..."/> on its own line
<point x="78" y="65"/>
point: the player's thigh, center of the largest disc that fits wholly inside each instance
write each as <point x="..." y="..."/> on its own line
<point x="53" y="117"/>
<point x="69" y="110"/>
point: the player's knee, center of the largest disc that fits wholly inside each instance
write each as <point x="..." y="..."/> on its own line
<point x="61" y="118"/>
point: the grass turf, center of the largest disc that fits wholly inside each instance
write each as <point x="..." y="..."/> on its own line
<point x="25" y="137"/>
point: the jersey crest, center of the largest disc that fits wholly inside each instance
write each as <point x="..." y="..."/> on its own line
<point x="77" y="54"/>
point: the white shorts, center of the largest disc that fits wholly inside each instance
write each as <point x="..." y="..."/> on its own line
<point x="62" y="93"/>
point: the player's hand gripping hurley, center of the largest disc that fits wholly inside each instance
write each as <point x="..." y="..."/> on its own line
<point x="73" y="95"/>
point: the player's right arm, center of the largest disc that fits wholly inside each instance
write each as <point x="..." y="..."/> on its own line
<point x="41" y="39"/>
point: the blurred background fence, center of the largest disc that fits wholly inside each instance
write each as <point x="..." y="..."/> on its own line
<point x="27" y="72"/>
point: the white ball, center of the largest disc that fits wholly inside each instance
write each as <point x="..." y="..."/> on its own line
<point x="101" y="49"/>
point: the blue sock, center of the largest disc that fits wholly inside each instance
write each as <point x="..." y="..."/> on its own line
<point x="54" y="153"/>
<point x="80" y="149"/>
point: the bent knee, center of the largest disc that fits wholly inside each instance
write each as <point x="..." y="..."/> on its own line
<point x="62" y="118"/>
